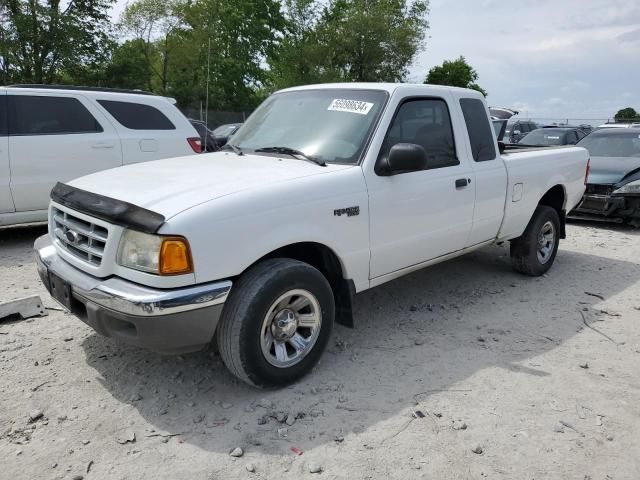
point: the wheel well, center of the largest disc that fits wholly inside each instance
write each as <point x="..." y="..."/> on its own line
<point x="327" y="262"/>
<point x="555" y="198"/>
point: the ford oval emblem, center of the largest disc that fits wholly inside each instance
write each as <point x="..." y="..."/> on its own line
<point x="71" y="236"/>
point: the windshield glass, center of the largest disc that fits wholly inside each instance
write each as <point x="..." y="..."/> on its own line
<point x="331" y="125"/>
<point x="544" y="136"/>
<point x="612" y="144"/>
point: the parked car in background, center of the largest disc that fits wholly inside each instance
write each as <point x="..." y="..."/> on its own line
<point x="553" y="136"/>
<point x="206" y="135"/>
<point x="619" y="125"/>
<point x="51" y="134"/>
<point x="326" y="191"/>
<point x="223" y="133"/>
<point x="516" y="129"/>
<point x="499" y="127"/>
<point x="501" y="113"/>
<point x="613" y="185"/>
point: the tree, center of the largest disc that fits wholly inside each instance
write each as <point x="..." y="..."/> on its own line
<point x="349" y="40"/>
<point x="41" y="38"/>
<point x="296" y="60"/>
<point x="128" y="67"/>
<point x="153" y="24"/>
<point x="626" y="114"/>
<point x="226" y="43"/>
<point x="456" y="73"/>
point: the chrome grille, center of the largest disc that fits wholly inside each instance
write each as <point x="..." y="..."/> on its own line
<point x="82" y="239"/>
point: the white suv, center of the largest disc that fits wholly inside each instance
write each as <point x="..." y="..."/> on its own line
<point x="50" y="134"/>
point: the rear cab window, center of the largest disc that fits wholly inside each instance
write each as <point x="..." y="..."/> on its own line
<point x="49" y="115"/>
<point x="480" y="137"/>
<point x="137" y="116"/>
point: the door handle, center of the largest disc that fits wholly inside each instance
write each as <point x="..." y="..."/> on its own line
<point x="102" y="145"/>
<point x="462" y="182"/>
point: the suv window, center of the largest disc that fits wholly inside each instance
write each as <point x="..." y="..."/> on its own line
<point x="137" y="116"/>
<point x="426" y="123"/>
<point x="524" y="127"/>
<point x="44" y="115"/>
<point x="475" y="117"/>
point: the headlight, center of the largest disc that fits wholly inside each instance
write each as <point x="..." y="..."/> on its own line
<point x="631" y="187"/>
<point x="154" y="253"/>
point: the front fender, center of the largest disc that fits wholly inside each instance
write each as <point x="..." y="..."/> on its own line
<point x="229" y="234"/>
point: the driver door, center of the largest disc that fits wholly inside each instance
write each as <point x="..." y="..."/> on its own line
<point x="419" y="216"/>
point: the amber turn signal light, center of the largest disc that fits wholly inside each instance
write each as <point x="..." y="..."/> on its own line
<point x="175" y="256"/>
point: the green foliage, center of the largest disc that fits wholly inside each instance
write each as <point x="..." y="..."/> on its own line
<point x="349" y="40"/>
<point x="229" y="53"/>
<point x="627" y="114"/>
<point x="230" y="39"/>
<point x="456" y="73"/>
<point x="39" y="39"/>
<point x="129" y="67"/>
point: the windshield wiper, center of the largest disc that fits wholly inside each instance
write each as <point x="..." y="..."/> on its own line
<point x="293" y="152"/>
<point x="235" y="148"/>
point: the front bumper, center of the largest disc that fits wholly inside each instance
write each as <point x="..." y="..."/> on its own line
<point x="604" y="206"/>
<point x="168" y="321"/>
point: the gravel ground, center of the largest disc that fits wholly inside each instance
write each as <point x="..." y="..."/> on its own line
<point x="512" y="378"/>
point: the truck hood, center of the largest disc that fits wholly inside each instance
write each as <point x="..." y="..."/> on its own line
<point x="611" y="170"/>
<point x="173" y="185"/>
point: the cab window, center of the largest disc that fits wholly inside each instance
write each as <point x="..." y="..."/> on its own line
<point x="425" y="122"/>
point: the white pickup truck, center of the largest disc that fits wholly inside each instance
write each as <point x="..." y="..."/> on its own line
<point x="326" y="191"/>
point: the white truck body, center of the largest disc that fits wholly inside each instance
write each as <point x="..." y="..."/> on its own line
<point x="235" y="210"/>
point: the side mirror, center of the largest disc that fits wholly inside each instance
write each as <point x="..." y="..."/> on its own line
<point x="406" y="157"/>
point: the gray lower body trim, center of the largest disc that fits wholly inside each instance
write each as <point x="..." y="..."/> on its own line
<point x="128" y="297"/>
<point x="168" y="321"/>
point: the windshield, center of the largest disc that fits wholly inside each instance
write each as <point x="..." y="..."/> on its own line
<point x="544" y="136"/>
<point x="331" y="125"/>
<point x="612" y="144"/>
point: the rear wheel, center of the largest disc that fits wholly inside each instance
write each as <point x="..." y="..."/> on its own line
<point x="535" y="251"/>
<point x="276" y="322"/>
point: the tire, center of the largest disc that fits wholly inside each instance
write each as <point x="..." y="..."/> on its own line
<point x="528" y="255"/>
<point x="249" y="320"/>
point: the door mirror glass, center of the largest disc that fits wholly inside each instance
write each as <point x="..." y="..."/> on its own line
<point x="406" y="157"/>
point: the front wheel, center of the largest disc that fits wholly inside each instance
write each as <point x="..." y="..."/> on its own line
<point x="534" y="252"/>
<point x="276" y="322"/>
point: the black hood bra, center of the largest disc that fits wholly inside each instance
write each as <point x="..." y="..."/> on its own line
<point x="109" y="209"/>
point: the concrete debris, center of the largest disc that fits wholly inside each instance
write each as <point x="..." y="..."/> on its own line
<point x="237" y="452"/>
<point x="127" y="436"/>
<point x="459" y="425"/>
<point x="36" y="415"/>
<point x="23" y="308"/>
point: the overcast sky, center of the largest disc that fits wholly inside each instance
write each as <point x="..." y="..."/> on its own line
<point x="549" y="58"/>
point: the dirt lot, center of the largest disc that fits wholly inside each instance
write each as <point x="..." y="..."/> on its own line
<point x="491" y="358"/>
